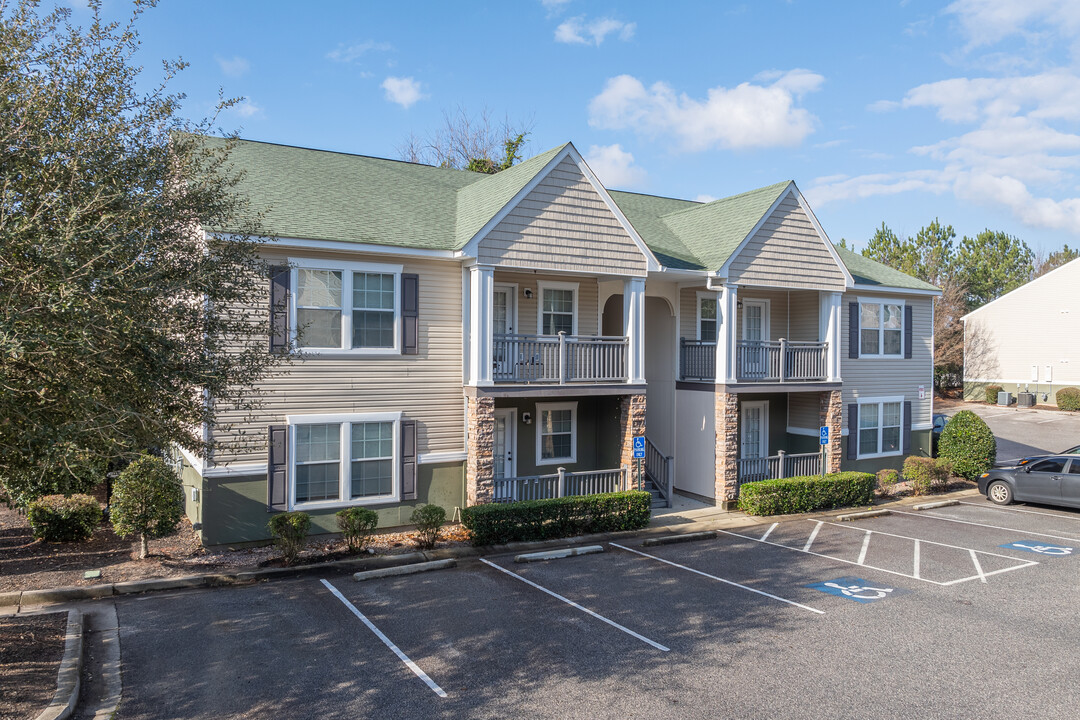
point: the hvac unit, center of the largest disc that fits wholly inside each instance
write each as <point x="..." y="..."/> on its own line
<point x="1025" y="399"/>
<point x="1005" y="398"/>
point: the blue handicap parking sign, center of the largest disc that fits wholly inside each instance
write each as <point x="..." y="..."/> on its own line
<point x="639" y="448"/>
<point x="857" y="589"/>
<point x="1039" y="548"/>
<point x="823" y="433"/>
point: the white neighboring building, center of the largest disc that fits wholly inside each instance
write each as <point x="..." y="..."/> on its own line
<point x="1027" y="340"/>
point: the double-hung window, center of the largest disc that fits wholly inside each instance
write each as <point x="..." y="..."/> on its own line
<point x="347" y="307"/>
<point x="706" y="318"/>
<point x="556" y="434"/>
<point x="881" y="329"/>
<point x="344" y="459"/>
<point x="880" y="424"/>
<point x="558" y="308"/>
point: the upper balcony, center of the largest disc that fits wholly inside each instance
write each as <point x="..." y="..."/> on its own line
<point x="781" y="361"/>
<point x="560" y="360"/>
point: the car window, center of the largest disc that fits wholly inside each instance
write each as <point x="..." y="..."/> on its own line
<point x="1051" y="465"/>
<point x="939" y="423"/>
<point x="1072" y="451"/>
<point x="1074" y="467"/>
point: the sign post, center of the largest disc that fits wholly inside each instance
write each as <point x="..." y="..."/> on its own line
<point x="823" y="439"/>
<point x="639" y="455"/>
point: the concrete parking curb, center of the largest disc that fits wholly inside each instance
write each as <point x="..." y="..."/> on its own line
<point x="681" y="538"/>
<point x="558" y="554"/>
<point x="405" y="570"/>
<point x="861" y="515"/>
<point x="70" y="673"/>
<point x="932" y="505"/>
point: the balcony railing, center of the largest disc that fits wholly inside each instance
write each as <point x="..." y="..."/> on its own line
<point x="559" y="359"/>
<point x="778" y="466"/>
<point x="757" y="361"/>
<point x="560" y="484"/>
<point x="697" y="360"/>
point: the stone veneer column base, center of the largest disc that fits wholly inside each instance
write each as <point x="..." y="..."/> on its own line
<point x="480" y="464"/>
<point x="631" y="425"/>
<point x="727" y="450"/>
<point x="831" y="414"/>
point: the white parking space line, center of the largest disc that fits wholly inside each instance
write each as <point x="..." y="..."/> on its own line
<point x="865" y="547"/>
<point x="813" y="536"/>
<point x="978" y="565"/>
<point x="573" y="604"/>
<point x="1043" y="422"/>
<point x="998" y="415"/>
<point x="769" y="531"/>
<point x="928" y="542"/>
<point x="719" y="579"/>
<point x="1019" y="510"/>
<point x="928" y="516"/>
<point x="386" y="641"/>
<point x="917" y="563"/>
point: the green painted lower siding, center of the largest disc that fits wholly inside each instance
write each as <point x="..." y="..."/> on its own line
<point x="920" y="445"/>
<point x="977" y="391"/>
<point x="233" y="509"/>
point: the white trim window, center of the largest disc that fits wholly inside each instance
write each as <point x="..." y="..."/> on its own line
<point x="346" y="307"/>
<point x="881" y="328"/>
<point x="707" y="317"/>
<point x="881" y="422"/>
<point x="322" y="475"/>
<point x="556" y="433"/>
<point x="557" y="307"/>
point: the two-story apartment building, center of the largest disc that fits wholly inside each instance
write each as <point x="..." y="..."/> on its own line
<point x="469" y="338"/>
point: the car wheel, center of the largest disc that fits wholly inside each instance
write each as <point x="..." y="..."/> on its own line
<point x="999" y="493"/>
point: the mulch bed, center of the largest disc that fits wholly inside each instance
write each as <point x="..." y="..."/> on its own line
<point x="31" y="648"/>
<point x="29" y="564"/>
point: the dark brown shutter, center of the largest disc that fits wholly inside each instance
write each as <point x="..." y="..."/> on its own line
<point x="853" y="330"/>
<point x="408" y="459"/>
<point x="410" y="313"/>
<point x="905" y="433"/>
<point x="277" y="469"/>
<point x="279" y="308"/>
<point x="853" y="431"/>
<point x="907" y="331"/>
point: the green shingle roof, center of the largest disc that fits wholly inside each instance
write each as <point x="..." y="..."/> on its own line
<point x="322" y="195"/>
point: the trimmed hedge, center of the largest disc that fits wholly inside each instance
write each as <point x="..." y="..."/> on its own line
<point x="969" y="444"/>
<point x="497" y="524"/>
<point x="927" y="475"/>
<point x="290" y="531"/>
<point x="1068" y="398"/>
<point x="992" y="393"/>
<point x="807" y="494"/>
<point x="356" y="525"/>
<point x="57" y="518"/>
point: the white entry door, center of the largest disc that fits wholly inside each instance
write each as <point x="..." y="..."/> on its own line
<point x="504" y="319"/>
<point x="754" y="438"/>
<point x="755" y="333"/>
<point x="504" y="450"/>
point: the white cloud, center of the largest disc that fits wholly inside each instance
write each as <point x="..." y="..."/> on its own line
<point x="576" y="31"/>
<point x="234" y="67"/>
<point x="553" y="4"/>
<point x="986" y="22"/>
<point x="352" y="53"/>
<point x="246" y="108"/>
<point x="745" y="116"/>
<point x="402" y="90"/>
<point x="705" y="198"/>
<point x="883" y="106"/>
<point x="614" y="166"/>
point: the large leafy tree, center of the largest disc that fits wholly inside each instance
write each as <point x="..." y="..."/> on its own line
<point x="992" y="263"/>
<point x="118" y="315"/>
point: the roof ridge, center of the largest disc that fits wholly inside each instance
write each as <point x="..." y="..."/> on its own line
<point x="785" y="183"/>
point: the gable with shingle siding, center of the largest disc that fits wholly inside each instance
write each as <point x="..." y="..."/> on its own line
<point x="786" y="251"/>
<point x="563" y="224"/>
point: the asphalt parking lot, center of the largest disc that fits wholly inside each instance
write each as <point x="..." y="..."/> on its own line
<point x="963" y="611"/>
<point x="1025" y="431"/>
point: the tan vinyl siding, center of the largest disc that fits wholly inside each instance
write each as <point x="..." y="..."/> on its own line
<point x="787" y="252"/>
<point x="1037" y="324"/>
<point x="426" y="387"/>
<point x="804" y="411"/>
<point x="803" y="317"/>
<point x="887" y="377"/>
<point x="563" y="225"/>
<point x="528" y="308"/>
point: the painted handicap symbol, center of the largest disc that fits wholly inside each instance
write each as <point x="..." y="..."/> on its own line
<point x="856" y="589"/>
<point x="1039" y="548"/>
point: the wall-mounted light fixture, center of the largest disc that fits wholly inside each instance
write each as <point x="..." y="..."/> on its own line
<point x="528" y="293"/>
<point x="526" y="418"/>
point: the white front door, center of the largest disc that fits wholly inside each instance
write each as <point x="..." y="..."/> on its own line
<point x="504" y="319"/>
<point x="754" y="437"/>
<point x="755" y="331"/>
<point x="504" y="450"/>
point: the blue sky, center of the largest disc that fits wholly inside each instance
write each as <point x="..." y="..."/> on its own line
<point x="894" y="111"/>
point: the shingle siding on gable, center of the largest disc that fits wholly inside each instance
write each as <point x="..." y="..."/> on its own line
<point x="563" y="224"/>
<point x="787" y="252"/>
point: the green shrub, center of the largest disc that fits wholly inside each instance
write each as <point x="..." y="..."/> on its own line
<point x="992" y="393"/>
<point x="357" y="524"/>
<point x="927" y="475"/>
<point x="72" y="473"/>
<point x="886" y="481"/>
<point x="428" y="519"/>
<point x="496" y="524"/>
<point x="147" y="500"/>
<point x="290" y="530"/>
<point x="968" y="443"/>
<point x="56" y="518"/>
<point x="1068" y="398"/>
<point x="806" y="494"/>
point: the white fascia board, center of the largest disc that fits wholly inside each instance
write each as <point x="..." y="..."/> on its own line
<point x="860" y="287"/>
<point x="850" y="281"/>
<point x="433" y="458"/>
<point x="194" y="460"/>
<point x="235" y="470"/>
<point x="722" y="273"/>
<point x="305" y="244"/>
<point x="1025" y="285"/>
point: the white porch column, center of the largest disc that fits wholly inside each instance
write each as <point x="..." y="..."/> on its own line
<point x="727" y="308"/>
<point x="634" y="327"/>
<point x="481" y="320"/>
<point x="829" y="331"/>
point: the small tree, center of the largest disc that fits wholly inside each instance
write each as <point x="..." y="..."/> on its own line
<point x="969" y="444"/>
<point x="290" y="530"/>
<point x="147" y="500"/>
<point x="357" y="524"/>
